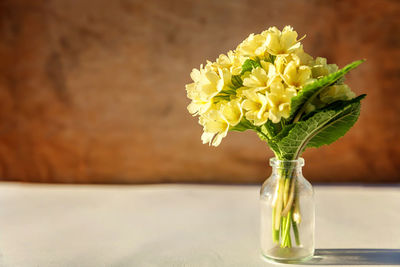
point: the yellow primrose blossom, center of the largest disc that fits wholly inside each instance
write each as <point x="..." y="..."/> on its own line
<point x="335" y="93"/>
<point x="225" y="79"/>
<point x="261" y="78"/>
<point x="296" y="75"/>
<point x="320" y="67"/>
<point x="298" y="59"/>
<point x="231" y="61"/>
<point x="279" y="101"/>
<point x="225" y="61"/>
<point x="208" y="82"/>
<point x="198" y="105"/>
<point x="278" y="42"/>
<point x="215" y="127"/>
<point x="304" y="58"/>
<point x="256" y="106"/>
<point x="240" y="96"/>
<point x="280" y="64"/>
<point x="232" y="112"/>
<point x="253" y="46"/>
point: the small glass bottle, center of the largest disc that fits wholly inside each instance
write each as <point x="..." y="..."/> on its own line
<point x="287" y="213"/>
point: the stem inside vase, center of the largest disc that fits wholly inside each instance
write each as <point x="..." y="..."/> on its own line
<point x="284" y="208"/>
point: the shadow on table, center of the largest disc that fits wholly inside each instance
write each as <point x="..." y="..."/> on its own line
<point x="355" y="256"/>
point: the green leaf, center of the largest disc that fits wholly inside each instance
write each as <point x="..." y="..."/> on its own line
<point x="323" y="127"/>
<point x="271" y="129"/>
<point x="265" y="133"/>
<point x="310" y="91"/>
<point x="337" y="127"/>
<point x="236" y="81"/>
<point x="336" y="105"/>
<point x="250" y="64"/>
<point x="242" y="126"/>
<point x="238" y="128"/>
<point x="271" y="58"/>
<point x="283" y="133"/>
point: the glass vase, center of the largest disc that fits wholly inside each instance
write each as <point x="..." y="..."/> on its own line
<point x="287" y="213"/>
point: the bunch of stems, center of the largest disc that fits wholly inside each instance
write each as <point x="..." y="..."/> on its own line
<point x="286" y="213"/>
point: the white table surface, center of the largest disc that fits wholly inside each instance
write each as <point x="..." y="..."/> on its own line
<point x="183" y="225"/>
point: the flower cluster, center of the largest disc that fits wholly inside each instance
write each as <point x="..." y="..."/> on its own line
<point x="256" y="82"/>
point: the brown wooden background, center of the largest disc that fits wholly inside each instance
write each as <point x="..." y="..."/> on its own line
<point x="93" y="90"/>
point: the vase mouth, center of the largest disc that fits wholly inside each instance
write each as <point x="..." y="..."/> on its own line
<point x="274" y="162"/>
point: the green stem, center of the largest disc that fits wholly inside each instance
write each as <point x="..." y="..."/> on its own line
<point x="286" y="193"/>
<point x="289" y="241"/>
<point x="279" y="205"/>
<point x="286" y="240"/>
<point x="296" y="232"/>
<point x="275" y="233"/>
<point x="283" y="227"/>
<point x="289" y="203"/>
<point x="276" y="236"/>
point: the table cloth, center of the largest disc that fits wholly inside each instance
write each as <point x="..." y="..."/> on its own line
<point x="184" y="225"/>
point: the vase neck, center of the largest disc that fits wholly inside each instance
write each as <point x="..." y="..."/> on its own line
<point x="288" y="167"/>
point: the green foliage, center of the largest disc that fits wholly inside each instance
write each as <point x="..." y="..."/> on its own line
<point x="338" y="126"/>
<point x="310" y="91"/>
<point x="271" y="58"/>
<point x="271" y="129"/>
<point x="250" y="64"/>
<point x="267" y="132"/>
<point x="236" y="81"/>
<point x="322" y="128"/>
<point x="243" y="125"/>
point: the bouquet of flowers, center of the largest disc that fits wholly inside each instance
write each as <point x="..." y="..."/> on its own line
<point x="269" y="85"/>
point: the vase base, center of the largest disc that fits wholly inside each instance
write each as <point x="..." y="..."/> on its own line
<point x="288" y="255"/>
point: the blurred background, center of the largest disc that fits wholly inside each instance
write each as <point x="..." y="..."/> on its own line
<point x="92" y="91"/>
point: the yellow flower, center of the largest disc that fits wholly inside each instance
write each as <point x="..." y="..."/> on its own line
<point x="225" y="61"/>
<point x="304" y="58"/>
<point x="208" y="82"/>
<point x="198" y="105"/>
<point x="253" y="46"/>
<point x="335" y="93"/>
<point x="225" y="79"/>
<point x="279" y="101"/>
<point x="281" y="61"/>
<point x="278" y="42"/>
<point x="232" y="112"/>
<point x="280" y="64"/>
<point x="261" y="78"/>
<point x="296" y="75"/>
<point x="256" y="106"/>
<point x="320" y="67"/>
<point x="215" y="127"/>
<point x="231" y="61"/>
